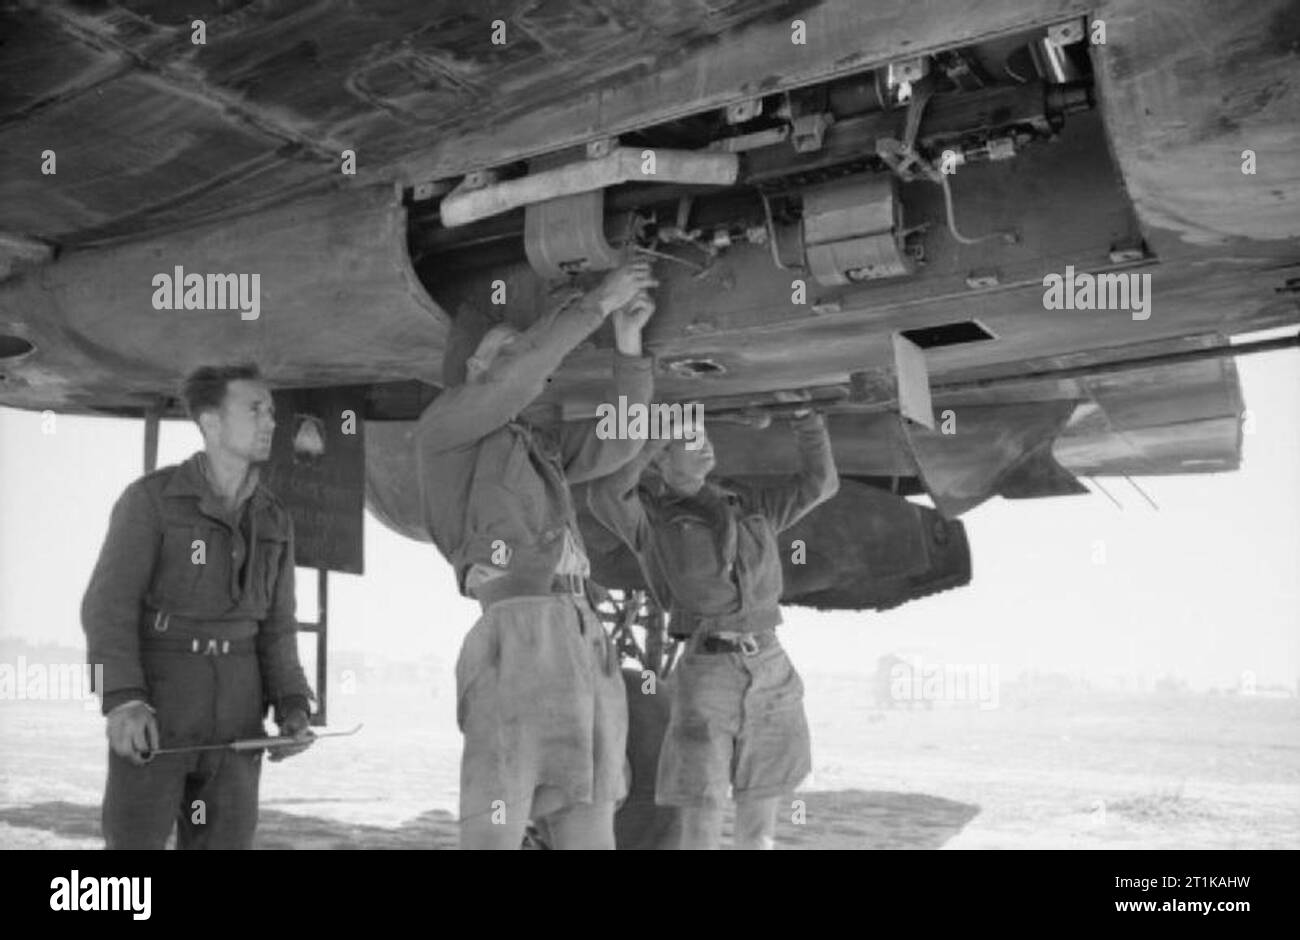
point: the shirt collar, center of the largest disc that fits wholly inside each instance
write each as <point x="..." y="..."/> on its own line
<point x="542" y="439"/>
<point x="711" y="491"/>
<point x="191" y="479"/>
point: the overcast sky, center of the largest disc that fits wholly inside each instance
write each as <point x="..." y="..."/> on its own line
<point x="1205" y="588"/>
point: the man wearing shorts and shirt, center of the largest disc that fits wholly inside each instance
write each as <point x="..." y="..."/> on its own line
<point x="539" y="689"/>
<point x="709" y="551"/>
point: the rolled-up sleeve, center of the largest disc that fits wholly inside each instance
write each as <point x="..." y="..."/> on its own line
<point x="114" y="601"/>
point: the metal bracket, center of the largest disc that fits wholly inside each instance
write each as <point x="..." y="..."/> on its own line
<point x="985" y="277"/>
<point x="422" y="192"/>
<point x="899" y="79"/>
<point x="768" y="138"/>
<point x="1048" y="55"/>
<point x="476" y="179"/>
<point x="808" y="130"/>
<point x="1001" y="148"/>
<point x="741" y="111"/>
<point x="602" y="147"/>
<point x="904" y="161"/>
<point x="1067" y="33"/>
<point x="1126" y="253"/>
<point x="567" y="235"/>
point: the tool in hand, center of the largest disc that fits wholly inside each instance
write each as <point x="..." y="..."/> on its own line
<point x="254" y="744"/>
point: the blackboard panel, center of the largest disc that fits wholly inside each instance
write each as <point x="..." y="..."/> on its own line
<point x="318" y="469"/>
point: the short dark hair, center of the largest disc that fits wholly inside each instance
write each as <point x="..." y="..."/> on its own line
<point x="205" y="388"/>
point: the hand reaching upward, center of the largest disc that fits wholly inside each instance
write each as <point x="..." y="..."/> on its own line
<point x="621" y="286"/>
<point x="628" y="322"/>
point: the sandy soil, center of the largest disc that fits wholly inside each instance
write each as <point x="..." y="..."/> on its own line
<point x="1067" y="771"/>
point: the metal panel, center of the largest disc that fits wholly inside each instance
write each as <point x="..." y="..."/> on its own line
<point x="339" y="305"/>
<point x="317" y="470"/>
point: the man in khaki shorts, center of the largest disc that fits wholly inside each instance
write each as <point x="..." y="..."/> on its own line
<point x="709" y="552"/>
<point x="540" y="695"/>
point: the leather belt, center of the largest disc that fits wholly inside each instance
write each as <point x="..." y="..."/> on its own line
<point x="508" y="586"/>
<point x="684" y="623"/>
<point x="158" y="624"/>
<point x="204" y="646"/>
<point x="747" y="644"/>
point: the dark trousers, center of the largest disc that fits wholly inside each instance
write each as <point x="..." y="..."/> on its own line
<point x="211" y="796"/>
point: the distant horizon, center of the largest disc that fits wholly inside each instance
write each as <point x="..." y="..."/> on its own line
<point x="1144" y="683"/>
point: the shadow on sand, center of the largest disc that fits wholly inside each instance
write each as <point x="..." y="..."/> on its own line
<point x="435" y="829"/>
<point x="838" y="819"/>
<point x="875" y="819"/>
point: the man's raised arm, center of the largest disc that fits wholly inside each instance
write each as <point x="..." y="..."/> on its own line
<point x="616" y="504"/>
<point x="464" y="413"/>
<point x="514" y="378"/>
<point x="817" y="480"/>
<point x="586" y="455"/>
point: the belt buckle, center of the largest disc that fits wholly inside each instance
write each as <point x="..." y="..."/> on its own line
<point x="161" y="621"/>
<point x="210" y="647"/>
<point x="748" y="644"/>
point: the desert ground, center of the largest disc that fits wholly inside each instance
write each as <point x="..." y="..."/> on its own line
<point x="1066" y="769"/>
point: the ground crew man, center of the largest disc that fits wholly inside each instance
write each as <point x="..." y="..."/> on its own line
<point x="709" y="552"/>
<point x="190" y="610"/>
<point x="539" y="690"/>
